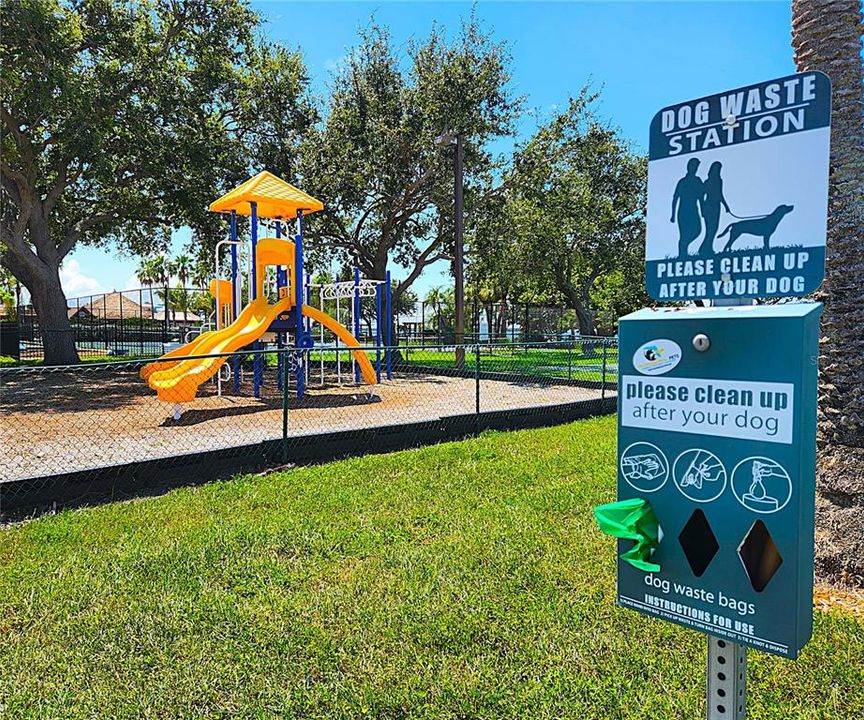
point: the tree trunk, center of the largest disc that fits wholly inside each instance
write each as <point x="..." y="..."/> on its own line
<point x="395" y="297"/>
<point x="37" y="268"/>
<point x="49" y="301"/>
<point x="579" y="304"/>
<point x="490" y="327"/>
<point x="587" y="325"/>
<point x="826" y="36"/>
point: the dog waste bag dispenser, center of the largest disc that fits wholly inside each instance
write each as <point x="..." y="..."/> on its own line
<point x="717" y="414"/>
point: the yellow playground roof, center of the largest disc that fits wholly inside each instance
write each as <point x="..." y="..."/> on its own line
<point x="275" y="198"/>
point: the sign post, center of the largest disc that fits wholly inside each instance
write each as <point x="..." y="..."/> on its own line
<point x="717" y="405"/>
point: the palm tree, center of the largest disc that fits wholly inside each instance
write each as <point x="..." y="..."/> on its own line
<point x="200" y="279"/>
<point x="181" y="268"/>
<point x="146" y="273"/>
<point x="161" y="274"/>
<point x="433" y="298"/>
<point x="826" y="36"/>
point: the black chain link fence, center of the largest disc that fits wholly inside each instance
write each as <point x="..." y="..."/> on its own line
<point x="130" y="323"/>
<point x="139" y="323"/>
<point x="96" y="431"/>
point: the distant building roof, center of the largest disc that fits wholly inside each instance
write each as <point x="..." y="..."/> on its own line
<point x="74" y="312"/>
<point x="112" y="306"/>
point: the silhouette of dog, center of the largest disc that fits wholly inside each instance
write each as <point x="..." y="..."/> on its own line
<point x="765" y="227"/>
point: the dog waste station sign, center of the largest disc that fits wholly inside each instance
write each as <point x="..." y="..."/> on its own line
<point x="738" y="192"/>
<point x="717" y="405"/>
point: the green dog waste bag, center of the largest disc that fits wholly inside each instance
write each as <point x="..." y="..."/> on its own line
<point x="632" y="520"/>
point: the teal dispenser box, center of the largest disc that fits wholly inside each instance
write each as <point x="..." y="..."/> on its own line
<point x="716" y="470"/>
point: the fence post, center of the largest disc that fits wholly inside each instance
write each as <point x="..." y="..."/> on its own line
<point x="104" y="323"/>
<point x="120" y="338"/>
<point x="475" y="322"/>
<point x="569" y="358"/>
<point x="477" y="385"/>
<point x="141" y="320"/>
<point x="603" y="380"/>
<point x="286" y="375"/>
<point x="356" y="309"/>
<point x="167" y="309"/>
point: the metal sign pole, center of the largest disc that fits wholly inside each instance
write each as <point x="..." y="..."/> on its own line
<point x="726" y="669"/>
<point x="727" y="680"/>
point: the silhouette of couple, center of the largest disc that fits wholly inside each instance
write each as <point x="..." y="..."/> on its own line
<point x="696" y="200"/>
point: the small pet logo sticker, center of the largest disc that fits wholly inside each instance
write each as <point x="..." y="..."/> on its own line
<point x="657" y="357"/>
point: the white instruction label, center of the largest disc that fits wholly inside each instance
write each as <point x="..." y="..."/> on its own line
<point x="723" y="408"/>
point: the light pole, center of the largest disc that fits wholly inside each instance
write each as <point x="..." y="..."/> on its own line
<point x="458" y="241"/>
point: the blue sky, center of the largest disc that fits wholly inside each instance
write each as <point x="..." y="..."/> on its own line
<point x="642" y="55"/>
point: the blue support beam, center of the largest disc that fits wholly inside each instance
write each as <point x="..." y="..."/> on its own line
<point x="281" y="282"/>
<point x="281" y="273"/>
<point x="258" y="359"/>
<point x="298" y="302"/>
<point x="253" y="291"/>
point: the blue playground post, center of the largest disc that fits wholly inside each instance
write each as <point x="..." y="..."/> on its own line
<point x="253" y="291"/>
<point x="281" y="281"/>
<point x="298" y="300"/>
<point x="388" y="330"/>
<point x="235" y="300"/>
<point x="356" y="318"/>
<point x="378" y="332"/>
<point x="258" y="359"/>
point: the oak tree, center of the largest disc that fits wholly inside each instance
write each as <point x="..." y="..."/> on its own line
<point x="122" y="119"/>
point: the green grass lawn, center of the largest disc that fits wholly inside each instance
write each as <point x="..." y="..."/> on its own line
<point x="533" y="361"/>
<point x="546" y="362"/>
<point x="466" y="580"/>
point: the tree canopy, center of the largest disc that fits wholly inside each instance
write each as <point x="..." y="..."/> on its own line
<point x="571" y="222"/>
<point x="122" y="120"/>
<point x="388" y="185"/>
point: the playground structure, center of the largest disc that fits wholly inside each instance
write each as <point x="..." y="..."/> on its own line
<point x="177" y="375"/>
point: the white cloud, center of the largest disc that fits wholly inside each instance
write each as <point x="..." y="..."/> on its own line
<point x="334" y="64"/>
<point x="75" y="283"/>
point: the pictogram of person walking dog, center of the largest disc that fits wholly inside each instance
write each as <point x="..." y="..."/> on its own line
<point x="696" y="206"/>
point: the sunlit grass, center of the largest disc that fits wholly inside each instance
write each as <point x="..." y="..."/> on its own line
<point x="465" y="580"/>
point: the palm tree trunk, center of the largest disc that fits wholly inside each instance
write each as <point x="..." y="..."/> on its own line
<point x="826" y="36"/>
